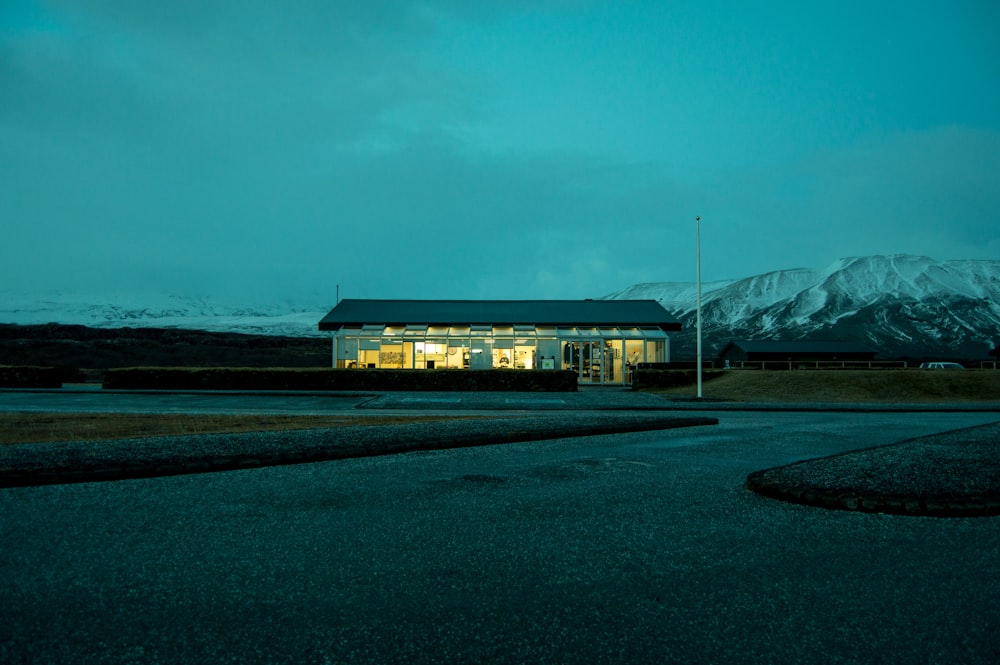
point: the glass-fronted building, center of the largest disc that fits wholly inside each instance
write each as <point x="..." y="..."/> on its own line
<point x="602" y="341"/>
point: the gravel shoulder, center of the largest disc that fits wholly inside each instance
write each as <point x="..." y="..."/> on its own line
<point x="953" y="474"/>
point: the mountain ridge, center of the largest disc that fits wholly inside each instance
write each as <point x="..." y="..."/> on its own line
<point x="901" y="305"/>
<point x="285" y="318"/>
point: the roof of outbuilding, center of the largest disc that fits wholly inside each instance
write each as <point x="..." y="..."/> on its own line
<point x="801" y="346"/>
<point x="355" y="312"/>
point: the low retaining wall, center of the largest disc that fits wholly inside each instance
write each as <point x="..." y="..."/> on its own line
<point x="779" y="365"/>
<point x="239" y="378"/>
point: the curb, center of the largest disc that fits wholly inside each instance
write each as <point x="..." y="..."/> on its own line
<point x="890" y="504"/>
<point x="28" y="465"/>
<point x="951" y="474"/>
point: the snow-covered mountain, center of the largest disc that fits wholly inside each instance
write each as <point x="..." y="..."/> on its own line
<point x="900" y="305"/>
<point x="119" y="311"/>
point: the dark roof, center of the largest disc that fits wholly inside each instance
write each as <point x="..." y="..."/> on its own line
<point x="499" y="312"/>
<point x="801" y="346"/>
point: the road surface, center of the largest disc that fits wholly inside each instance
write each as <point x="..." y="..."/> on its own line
<point x="631" y="548"/>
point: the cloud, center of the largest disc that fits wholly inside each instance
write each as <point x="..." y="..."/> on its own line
<point x="205" y="146"/>
<point x="931" y="192"/>
<point x="913" y="190"/>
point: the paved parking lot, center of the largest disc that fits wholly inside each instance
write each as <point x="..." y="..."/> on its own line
<point x="640" y="547"/>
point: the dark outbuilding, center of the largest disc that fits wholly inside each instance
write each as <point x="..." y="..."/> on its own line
<point x="739" y="351"/>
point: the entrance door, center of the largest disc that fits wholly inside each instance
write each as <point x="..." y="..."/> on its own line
<point x="573" y="359"/>
<point x="595" y="363"/>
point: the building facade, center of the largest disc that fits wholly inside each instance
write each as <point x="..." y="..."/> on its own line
<point x="602" y="341"/>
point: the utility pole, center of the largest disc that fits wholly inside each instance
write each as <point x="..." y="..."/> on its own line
<point x="697" y="245"/>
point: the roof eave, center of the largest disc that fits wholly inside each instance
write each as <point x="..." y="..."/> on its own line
<point x="334" y="326"/>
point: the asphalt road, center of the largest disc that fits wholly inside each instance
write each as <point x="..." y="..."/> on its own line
<point x="630" y="548"/>
<point x="306" y="403"/>
<point x="191" y="402"/>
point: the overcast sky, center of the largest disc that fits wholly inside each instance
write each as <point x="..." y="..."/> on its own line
<point x="455" y="149"/>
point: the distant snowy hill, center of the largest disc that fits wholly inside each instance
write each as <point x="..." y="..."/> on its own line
<point x="279" y="318"/>
<point x="900" y="305"/>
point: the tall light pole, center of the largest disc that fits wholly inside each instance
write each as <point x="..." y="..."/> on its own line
<point x="697" y="325"/>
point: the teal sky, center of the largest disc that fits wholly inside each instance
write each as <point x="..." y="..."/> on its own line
<point x="446" y="149"/>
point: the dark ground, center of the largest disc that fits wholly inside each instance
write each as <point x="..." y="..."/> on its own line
<point x="96" y="349"/>
<point x="642" y="547"/>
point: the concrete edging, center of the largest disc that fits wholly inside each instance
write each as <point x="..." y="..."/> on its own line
<point x="892" y="504"/>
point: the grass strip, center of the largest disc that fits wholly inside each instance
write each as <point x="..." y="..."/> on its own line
<point x="850" y="386"/>
<point x="26" y="427"/>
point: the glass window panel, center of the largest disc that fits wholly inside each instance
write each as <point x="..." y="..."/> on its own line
<point x="481" y="354"/>
<point x="459" y="331"/>
<point x="481" y="331"/>
<point x="524" y="357"/>
<point x="503" y="357"/>
<point x="458" y="354"/>
<point x="435" y="352"/>
<point x="634" y="350"/>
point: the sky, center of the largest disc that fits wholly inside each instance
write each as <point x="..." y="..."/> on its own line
<point x="467" y="150"/>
